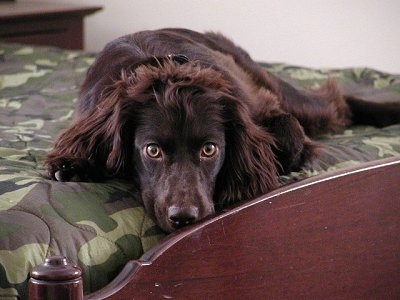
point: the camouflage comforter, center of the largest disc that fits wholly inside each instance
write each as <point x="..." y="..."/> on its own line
<point x="101" y="226"/>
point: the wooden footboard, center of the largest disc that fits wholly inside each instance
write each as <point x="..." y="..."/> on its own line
<point x="329" y="236"/>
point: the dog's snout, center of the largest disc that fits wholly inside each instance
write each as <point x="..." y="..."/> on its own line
<point x="182" y="216"/>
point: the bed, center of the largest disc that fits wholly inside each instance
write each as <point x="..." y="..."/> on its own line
<point x="331" y="231"/>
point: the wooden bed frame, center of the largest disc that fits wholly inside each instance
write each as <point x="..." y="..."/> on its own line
<point x="331" y="236"/>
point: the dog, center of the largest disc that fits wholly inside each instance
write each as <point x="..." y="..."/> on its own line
<point x="195" y="124"/>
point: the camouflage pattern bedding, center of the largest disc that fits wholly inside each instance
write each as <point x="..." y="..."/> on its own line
<point x="101" y="226"/>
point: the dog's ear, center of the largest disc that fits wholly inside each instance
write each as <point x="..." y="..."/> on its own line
<point x="249" y="169"/>
<point x="293" y="148"/>
<point x="99" y="135"/>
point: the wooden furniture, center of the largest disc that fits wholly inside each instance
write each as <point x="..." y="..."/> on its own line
<point x="320" y="238"/>
<point x="333" y="235"/>
<point x="38" y="23"/>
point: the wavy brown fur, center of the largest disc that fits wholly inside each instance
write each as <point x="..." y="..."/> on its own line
<point x="211" y="97"/>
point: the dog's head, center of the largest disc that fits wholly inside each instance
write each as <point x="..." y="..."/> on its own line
<point x="184" y="134"/>
<point x="179" y="145"/>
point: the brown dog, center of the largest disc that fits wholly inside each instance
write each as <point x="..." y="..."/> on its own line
<point x="194" y="122"/>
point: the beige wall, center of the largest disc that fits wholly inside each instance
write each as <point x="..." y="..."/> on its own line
<point x="319" y="33"/>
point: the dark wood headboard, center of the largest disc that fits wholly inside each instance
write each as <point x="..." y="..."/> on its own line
<point x="335" y="235"/>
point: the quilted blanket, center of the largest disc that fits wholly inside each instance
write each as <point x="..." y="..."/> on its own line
<point x="101" y="226"/>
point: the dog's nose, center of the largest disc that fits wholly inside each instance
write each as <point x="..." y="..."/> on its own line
<point x="182" y="216"/>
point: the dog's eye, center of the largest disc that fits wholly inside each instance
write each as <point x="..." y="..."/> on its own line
<point x="153" y="151"/>
<point x="209" y="150"/>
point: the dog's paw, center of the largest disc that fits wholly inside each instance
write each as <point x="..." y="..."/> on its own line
<point x="65" y="169"/>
